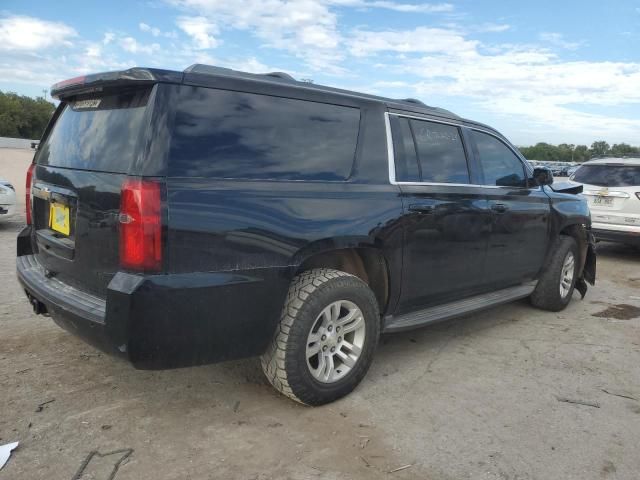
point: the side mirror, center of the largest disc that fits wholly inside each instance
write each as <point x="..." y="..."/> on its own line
<point x="543" y="176"/>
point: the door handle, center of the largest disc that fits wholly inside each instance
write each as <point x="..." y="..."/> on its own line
<point x="499" y="207"/>
<point x="423" y="209"/>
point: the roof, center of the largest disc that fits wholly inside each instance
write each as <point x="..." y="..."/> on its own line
<point x="635" y="161"/>
<point x="208" y="73"/>
<point x="284" y="78"/>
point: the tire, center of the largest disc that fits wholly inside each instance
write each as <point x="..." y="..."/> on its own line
<point x="309" y="321"/>
<point x="550" y="294"/>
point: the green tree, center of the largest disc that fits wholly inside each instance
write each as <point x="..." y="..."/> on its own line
<point x="599" y="148"/>
<point x="22" y="116"/>
<point x="581" y="153"/>
<point x="622" y="149"/>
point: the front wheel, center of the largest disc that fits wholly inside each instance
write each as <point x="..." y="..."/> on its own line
<point x="558" y="280"/>
<point x="326" y="338"/>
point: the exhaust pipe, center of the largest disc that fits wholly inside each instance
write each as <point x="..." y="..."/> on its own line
<point x="39" y="308"/>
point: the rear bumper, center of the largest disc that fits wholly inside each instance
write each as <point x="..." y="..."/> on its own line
<point x="620" y="234"/>
<point x="165" y="321"/>
<point x="7" y="211"/>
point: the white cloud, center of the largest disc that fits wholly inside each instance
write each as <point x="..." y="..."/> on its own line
<point x="398" y="7"/>
<point x="492" y="28"/>
<point x="131" y="45"/>
<point x="519" y="82"/>
<point x="108" y="38"/>
<point x="149" y="29"/>
<point x="558" y="40"/>
<point x="420" y="40"/>
<point x="23" y="33"/>
<point x="201" y="30"/>
<point x="155" y="31"/>
<point x="306" y="28"/>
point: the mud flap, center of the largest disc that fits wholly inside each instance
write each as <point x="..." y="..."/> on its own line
<point x="589" y="269"/>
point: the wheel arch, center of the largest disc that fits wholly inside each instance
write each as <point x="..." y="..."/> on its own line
<point x="579" y="233"/>
<point x="366" y="263"/>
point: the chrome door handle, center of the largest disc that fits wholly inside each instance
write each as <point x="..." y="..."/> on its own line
<point x="423" y="209"/>
<point x="499" y="207"/>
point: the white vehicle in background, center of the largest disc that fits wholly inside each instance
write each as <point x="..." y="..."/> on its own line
<point x="612" y="187"/>
<point x="7" y="199"/>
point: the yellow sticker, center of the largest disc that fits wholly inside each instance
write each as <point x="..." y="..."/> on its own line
<point x="59" y="218"/>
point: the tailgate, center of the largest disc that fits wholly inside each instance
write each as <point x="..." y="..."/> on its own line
<point x="81" y="166"/>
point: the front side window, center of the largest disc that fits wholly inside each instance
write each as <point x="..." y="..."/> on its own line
<point x="225" y="134"/>
<point x="500" y="165"/>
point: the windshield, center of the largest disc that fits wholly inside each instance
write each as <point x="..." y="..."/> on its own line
<point x="609" y="175"/>
<point x="98" y="133"/>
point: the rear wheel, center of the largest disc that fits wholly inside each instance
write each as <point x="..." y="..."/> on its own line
<point x="558" y="280"/>
<point x="326" y="338"/>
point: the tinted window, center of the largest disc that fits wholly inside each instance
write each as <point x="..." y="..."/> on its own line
<point x="440" y="152"/>
<point x="99" y="133"/>
<point x="609" y="175"/>
<point x="227" y="134"/>
<point x="405" y="157"/>
<point x="500" y="165"/>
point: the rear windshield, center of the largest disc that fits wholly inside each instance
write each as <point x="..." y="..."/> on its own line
<point x="224" y="134"/>
<point x="98" y="133"/>
<point x="609" y="175"/>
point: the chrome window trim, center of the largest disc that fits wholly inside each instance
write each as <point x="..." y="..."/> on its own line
<point x="392" y="161"/>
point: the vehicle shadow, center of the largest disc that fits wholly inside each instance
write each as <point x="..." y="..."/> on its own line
<point x="619" y="251"/>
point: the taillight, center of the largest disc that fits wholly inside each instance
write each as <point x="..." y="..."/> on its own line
<point x="27" y="193"/>
<point x="141" y="225"/>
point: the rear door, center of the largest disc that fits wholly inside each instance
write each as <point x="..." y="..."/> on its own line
<point x="520" y="213"/>
<point x="80" y="167"/>
<point x="446" y="220"/>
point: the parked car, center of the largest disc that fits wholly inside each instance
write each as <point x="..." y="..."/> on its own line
<point x="182" y="218"/>
<point x="7" y="200"/>
<point x="612" y="187"/>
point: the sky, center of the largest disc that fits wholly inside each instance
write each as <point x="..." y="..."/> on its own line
<point x="544" y="71"/>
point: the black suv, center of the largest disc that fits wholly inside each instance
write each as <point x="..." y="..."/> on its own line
<point x="182" y="218"/>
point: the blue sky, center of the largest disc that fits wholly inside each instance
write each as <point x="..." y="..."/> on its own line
<point x="538" y="71"/>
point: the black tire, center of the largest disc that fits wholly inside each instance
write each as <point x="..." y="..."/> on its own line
<point x="547" y="294"/>
<point x="285" y="363"/>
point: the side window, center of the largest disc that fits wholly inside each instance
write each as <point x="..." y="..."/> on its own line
<point x="225" y="134"/>
<point x="500" y="165"/>
<point x="441" y="153"/>
<point x="405" y="156"/>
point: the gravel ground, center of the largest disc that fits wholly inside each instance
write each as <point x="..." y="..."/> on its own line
<point x="512" y="393"/>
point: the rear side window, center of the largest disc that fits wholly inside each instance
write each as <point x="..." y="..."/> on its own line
<point x="441" y="153"/>
<point x="500" y="165"/>
<point x="98" y="133"/>
<point x="609" y="175"/>
<point x="224" y="134"/>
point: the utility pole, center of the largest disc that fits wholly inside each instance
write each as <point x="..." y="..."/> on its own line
<point x="44" y="93"/>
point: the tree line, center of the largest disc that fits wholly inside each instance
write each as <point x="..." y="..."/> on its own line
<point x="22" y="116"/>
<point x="577" y="153"/>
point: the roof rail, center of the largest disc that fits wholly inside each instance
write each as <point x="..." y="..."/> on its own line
<point x="281" y="75"/>
<point x="213" y="70"/>
<point x="414" y="101"/>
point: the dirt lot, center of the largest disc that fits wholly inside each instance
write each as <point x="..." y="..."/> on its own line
<point x="512" y="393"/>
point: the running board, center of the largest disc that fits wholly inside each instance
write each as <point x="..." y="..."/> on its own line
<point x="458" y="308"/>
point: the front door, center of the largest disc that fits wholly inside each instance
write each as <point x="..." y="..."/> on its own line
<point x="520" y="214"/>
